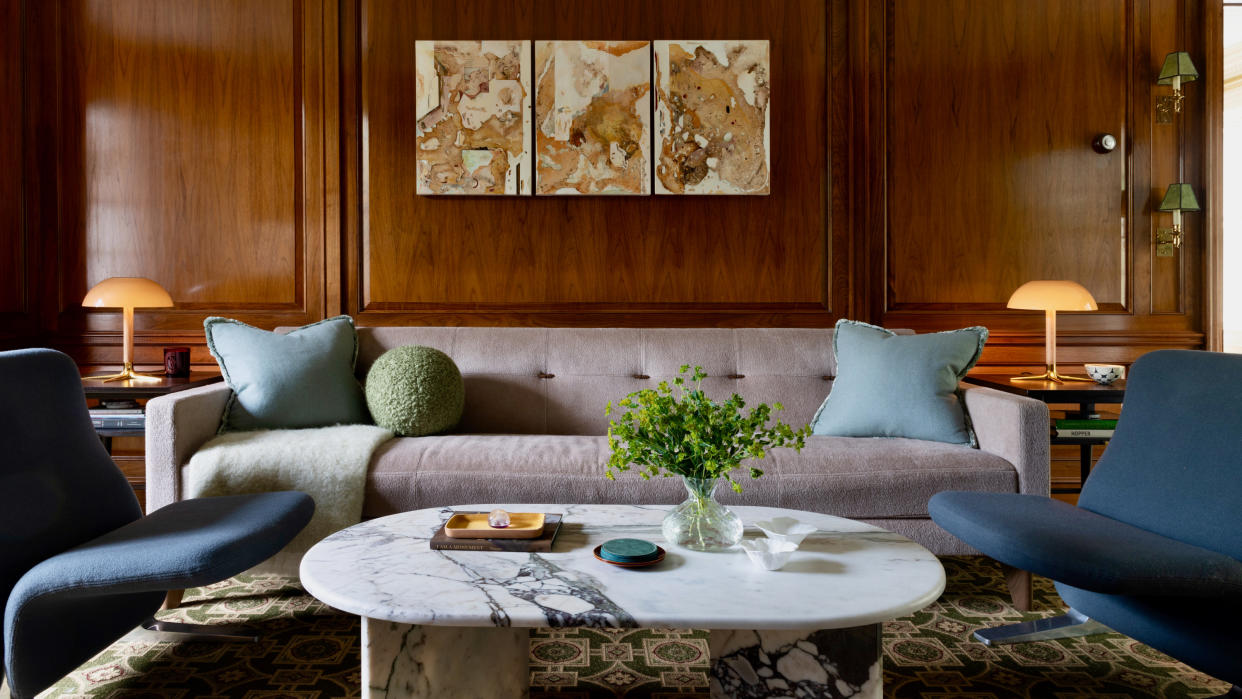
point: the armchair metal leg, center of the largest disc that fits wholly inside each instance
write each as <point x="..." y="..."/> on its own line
<point x="202" y="631"/>
<point x="1068" y="625"/>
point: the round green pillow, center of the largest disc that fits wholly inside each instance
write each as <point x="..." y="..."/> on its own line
<point x="415" y="391"/>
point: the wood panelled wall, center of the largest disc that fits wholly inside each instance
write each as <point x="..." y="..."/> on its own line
<point x="257" y="159"/>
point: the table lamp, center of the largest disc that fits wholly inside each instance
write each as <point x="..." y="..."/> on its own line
<point x="127" y="293"/>
<point x="1051" y="296"/>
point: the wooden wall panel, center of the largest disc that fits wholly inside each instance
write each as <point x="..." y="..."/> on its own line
<point x="190" y="149"/>
<point x="990" y="181"/>
<point x="589" y="260"/>
<point x="13" y="277"/>
<point x="992" y="107"/>
<point x="928" y="156"/>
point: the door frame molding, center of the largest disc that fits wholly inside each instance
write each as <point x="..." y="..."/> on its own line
<point x="1213" y="173"/>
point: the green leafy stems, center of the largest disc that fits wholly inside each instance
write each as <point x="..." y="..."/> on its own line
<point x="676" y="430"/>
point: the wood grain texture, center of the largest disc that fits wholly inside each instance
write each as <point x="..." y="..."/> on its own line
<point x="190" y="149"/>
<point x="255" y="157"/>
<point x="596" y="260"/>
<point x="1212" y="23"/>
<point x="12" y="237"/>
<point x="1025" y="168"/>
<point x="1013" y="92"/>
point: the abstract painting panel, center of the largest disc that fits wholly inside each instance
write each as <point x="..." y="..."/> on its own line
<point x="712" y="117"/>
<point x="593" y="117"/>
<point x="473" y="112"/>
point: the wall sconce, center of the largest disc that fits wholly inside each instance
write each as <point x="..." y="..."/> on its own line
<point x="1179" y="197"/>
<point x="1177" y="69"/>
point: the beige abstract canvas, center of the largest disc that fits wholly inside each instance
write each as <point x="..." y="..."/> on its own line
<point x="473" y="111"/>
<point x="712" y="117"/>
<point x="593" y="117"/>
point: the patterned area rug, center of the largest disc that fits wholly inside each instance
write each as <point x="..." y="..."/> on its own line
<point x="309" y="651"/>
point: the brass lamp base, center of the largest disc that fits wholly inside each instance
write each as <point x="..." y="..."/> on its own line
<point x="1050" y="374"/>
<point x="127" y="374"/>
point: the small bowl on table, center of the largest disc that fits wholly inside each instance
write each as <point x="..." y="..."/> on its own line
<point x="1105" y="374"/>
<point x="785" y="529"/>
<point x="769" y="554"/>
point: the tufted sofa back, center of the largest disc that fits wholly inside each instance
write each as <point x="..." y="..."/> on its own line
<point x="558" y="380"/>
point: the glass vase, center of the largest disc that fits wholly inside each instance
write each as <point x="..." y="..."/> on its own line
<point x="701" y="523"/>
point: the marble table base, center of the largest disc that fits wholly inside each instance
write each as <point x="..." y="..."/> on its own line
<point x="446" y="662"/>
<point x="828" y="664"/>
<point x="401" y="661"/>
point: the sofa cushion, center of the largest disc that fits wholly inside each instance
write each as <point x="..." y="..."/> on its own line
<point x="875" y="477"/>
<point x="300" y="378"/>
<point x="893" y="386"/>
<point x="414" y="391"/>
<point x="850" y="477"/>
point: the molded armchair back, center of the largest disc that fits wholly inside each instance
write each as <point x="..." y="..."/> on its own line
<point x="1174" y="466"/>
<point x="58" y="486"/>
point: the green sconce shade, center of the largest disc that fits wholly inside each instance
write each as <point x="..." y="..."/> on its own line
<point x="1179" y="197"/>
<point x="1177" y="65"/>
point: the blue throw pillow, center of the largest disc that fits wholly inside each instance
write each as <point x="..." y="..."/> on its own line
<point x="304" y="378"/>
<point x="891" y="385"/>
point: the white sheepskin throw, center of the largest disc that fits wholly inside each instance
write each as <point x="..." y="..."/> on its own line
<point x="327" y="463"/>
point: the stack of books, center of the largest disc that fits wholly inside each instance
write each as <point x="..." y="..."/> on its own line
<point x="1093" y="428"/>
<point x="441" y="541"/>
<point x="118" y="418"/>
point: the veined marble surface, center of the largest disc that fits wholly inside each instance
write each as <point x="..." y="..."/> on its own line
<point x="845" y="575"/>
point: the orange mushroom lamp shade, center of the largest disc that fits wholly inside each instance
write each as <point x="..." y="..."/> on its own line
<point x="127" y="293"/>
<point x="1051" y="296"/>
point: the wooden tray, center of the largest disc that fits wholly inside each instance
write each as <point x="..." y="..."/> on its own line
<point x="473" y="525"/>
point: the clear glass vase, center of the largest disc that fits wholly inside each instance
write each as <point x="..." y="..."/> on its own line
<point x="700" y="523"/>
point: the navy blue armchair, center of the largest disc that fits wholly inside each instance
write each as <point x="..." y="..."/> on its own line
<point x="1154" y="548"/>
<point x="79" y="564"/>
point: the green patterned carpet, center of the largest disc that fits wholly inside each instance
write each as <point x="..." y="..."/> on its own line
<point x="309" y="651"/>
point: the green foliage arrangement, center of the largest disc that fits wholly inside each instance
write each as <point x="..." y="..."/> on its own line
<point x="678" y="431"/>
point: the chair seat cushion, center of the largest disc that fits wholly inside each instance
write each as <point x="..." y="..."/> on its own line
<point x="1083" y="549"/>
<point x="850" y="477"/>
<point x="186" y="544"/>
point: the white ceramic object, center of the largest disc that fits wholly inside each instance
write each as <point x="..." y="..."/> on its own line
<point x="769" y="554"/>
<point x="1105" y="373"/>
<point x="785" y="529"/>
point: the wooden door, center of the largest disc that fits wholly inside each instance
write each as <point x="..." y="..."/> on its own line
<point x="992" y="106"/>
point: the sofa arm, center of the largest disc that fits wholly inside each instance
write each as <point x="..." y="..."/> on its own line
<point x="177" y="425"/>
<point x="1014" y="428"/>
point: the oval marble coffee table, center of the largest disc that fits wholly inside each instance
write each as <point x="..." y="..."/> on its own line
<point x="454" y="624"/>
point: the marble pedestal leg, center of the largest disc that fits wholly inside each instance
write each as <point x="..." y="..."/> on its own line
<point x="829" y="664"/>
<point x="444" y="662"/>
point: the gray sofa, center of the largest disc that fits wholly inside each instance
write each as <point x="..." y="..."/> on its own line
<point x="534" y="423"/>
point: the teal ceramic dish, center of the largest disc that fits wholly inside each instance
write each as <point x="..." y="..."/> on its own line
<point x="628" y="551"/>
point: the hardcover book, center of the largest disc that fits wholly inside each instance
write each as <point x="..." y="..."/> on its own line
<point x="440" y="541"/>
<point x="1084" y="433"/>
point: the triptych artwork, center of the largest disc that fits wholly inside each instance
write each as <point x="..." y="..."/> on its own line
<point x="578" y="121"/>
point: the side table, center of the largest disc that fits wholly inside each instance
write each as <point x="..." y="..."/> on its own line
<point x="1085" y="395"/>
<point x="141" y="390"/>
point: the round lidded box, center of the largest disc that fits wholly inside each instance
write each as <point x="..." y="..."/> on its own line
<point x="628" y="550"/>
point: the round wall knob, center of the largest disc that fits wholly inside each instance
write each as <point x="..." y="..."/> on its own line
<point x="1104" y="143"/>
